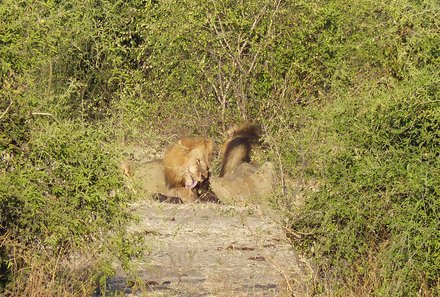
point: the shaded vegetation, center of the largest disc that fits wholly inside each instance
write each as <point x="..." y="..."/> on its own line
<point x="375" y="216"/>
<point x="346" y="91"/>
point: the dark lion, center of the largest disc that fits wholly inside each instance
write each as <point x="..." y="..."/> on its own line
<point x="237" y="149"/>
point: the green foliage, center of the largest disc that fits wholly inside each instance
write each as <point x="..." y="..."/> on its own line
<point x="155" y="59"/>
<point x="15" y="129"/>
<point x="64" y="192"/>
<point x="380" y="188"/>
<point x="67" y="168"/>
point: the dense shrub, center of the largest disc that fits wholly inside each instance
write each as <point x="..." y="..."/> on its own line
<point x="67" y="166"/>
<point x="152" y="59"/>
<point x="62" y="194"/>
<point x="377" y="209"/>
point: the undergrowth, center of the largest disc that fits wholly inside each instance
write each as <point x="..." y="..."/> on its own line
<point x="63" y="212"/>
<point x="374" y="219"/>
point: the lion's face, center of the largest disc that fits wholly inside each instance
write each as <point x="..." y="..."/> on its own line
<point x="186" y="164"/>
<point x="197" y="167"/>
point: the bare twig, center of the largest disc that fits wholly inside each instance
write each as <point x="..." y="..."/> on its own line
<point x="45" y="114"/>
<point x="260" y="48"/>
<point x="282" y="272"/>
<point x="297" y="233"/>
<point x="232" y="52"/>
<point x="6" y="110"/>
<point x="49" y="82"/>
<point x="287" y="230"/>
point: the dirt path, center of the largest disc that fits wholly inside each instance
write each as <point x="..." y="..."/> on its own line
<point x="216" y="250"/>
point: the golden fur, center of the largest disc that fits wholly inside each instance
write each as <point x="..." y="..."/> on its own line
<point x="239" y="179"/>
<point x="237" y="149"/>
<point x="246" y="182"/>
<point x="186" y="164"/>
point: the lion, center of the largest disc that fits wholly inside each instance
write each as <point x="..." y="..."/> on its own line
<point x="186" y="167"/>
<point x="184" y="173"/>
<point x="181" y="176"/>
<point x="239" y="178"/>
<point x="237" y="149"/>
<point x="245" y="183"/>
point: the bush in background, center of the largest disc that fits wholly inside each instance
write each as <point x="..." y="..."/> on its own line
<point x="62" y="198"/>
<point x="374" y="219"/>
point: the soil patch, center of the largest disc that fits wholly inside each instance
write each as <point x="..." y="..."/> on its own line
<point x="216" y="250"/>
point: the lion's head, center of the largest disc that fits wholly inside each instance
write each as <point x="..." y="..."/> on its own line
<point x="197" y="168"/>
<point x="187" y="163"/>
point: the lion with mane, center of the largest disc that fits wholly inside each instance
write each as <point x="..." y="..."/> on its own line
<point x="186" y="166"/>
<point x="240" y="178"/>
<point x="237" y="149"/>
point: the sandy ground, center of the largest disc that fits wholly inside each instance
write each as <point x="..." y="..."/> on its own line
<point x="215" y="250"/>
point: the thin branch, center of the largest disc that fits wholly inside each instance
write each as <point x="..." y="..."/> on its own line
<point x="4" y="113"/>
<point x="45" y="114"/>
<point x="223" y="35"/>
<point x="254" y="60"/>
<point x="214" y="87"/>
<point x="281" y="271"/>
<point x="254" y="24"/>
<point x="49" y="82"/>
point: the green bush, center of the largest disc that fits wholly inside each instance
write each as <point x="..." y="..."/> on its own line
<point x="66" y="166"/>
<point x="64" y="193"/>
<point x="150" y="60"/>
<point x="378" y="204"/>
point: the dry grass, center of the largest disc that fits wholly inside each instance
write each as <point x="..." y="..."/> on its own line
<point x="37" y="272"/>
